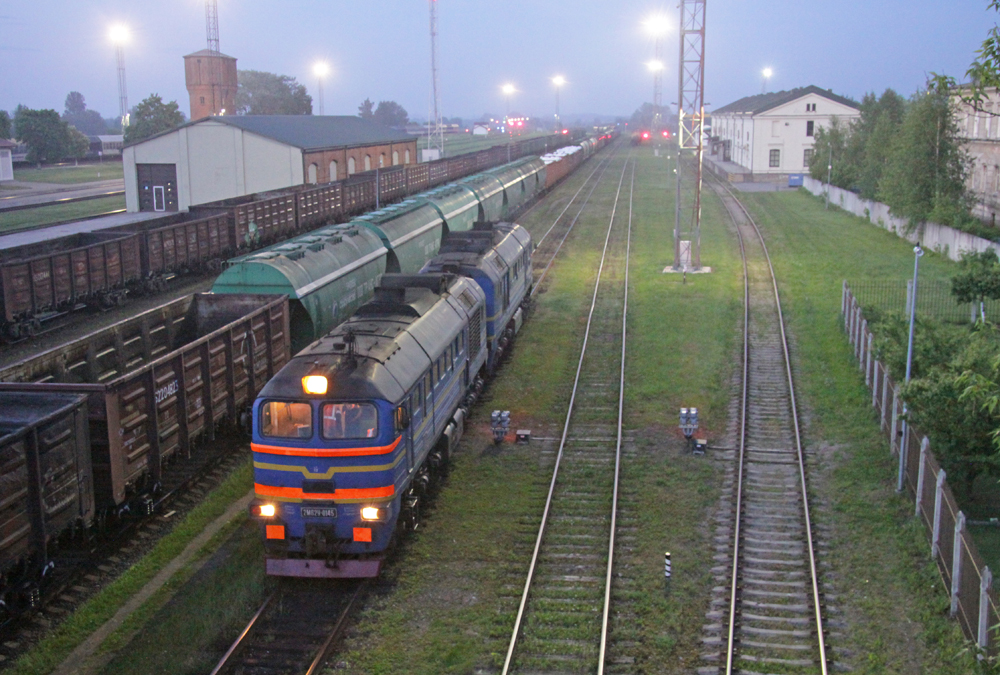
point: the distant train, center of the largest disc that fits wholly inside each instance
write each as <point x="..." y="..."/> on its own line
<point x="348" y="436"/>
<point x="99" y="265"/>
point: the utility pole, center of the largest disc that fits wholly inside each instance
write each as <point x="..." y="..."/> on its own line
<point x="690" y="115"/>
<point x="435" y="129"/>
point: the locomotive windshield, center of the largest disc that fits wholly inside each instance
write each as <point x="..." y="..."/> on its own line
<point x="349" y="420"/>
<point x="284" y="419"/>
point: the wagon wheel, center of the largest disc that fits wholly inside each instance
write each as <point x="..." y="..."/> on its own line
<point x="31" y="327"/>
<point x="12" y="331"/>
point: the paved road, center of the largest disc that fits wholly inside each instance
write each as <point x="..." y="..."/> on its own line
<point x="48" y="193"/>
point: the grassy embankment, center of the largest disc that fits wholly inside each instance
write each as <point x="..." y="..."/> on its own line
<point x="85" y="173"/>
<point x="43" y="215"/>
<point x="459" y="144"/>
<point x="223" y="604"/>
<point x="890" y="592"/>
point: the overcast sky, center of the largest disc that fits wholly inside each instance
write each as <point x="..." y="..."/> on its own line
<point x="381" y="49"/>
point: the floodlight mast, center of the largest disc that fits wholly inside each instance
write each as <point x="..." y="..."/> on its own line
<point x="657" y="26"/>
<point x="435" y="128"/>
<point x="690" y="116"/>
<point x="119" y="36"/>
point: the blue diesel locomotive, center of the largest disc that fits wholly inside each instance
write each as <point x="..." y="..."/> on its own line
<point x="349" y="435"/>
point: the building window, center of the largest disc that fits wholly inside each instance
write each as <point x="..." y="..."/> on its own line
<point x="395" y="157"/>
<point x="350" y="166"/>
<point x="313" y="171"/>
<point x="810" y="107"/>
<point x="810" y="126"/>
<point x="807" y="156"/>
<point x="774" y="161"/>
<point x="406" y="157"/>
<point x="381" y="159"/>
<point x="368" y="162"/>
<point x="333" y="171"/>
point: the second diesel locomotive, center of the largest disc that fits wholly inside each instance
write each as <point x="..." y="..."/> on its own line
<point x="348" y="436"/>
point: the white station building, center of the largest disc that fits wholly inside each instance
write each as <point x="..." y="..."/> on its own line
<point x="774" y="133"/>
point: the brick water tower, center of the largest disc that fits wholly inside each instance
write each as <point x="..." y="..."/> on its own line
<point x="211" y="82"/>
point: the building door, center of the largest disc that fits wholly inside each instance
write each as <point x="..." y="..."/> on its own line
<point x="157" y="187"/>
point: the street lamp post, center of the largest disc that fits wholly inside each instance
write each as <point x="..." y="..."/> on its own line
<point x="657" y="27"/>
<point x="558" y="81"/>
<point x="508" y="89"/>
<point x="320" y="70"/>
<point x="656" y="67"/>
<point x="119" y="36"/>
<point x="904" y="446"/>
<point x="767" y="73"/>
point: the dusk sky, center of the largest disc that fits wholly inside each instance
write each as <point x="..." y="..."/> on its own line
<point x="381" y="49"/>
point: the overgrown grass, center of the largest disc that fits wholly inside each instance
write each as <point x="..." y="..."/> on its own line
<point x="43" y="215"/>
<point x="52" y="650"/>
<point x="458" y="144"/>
<point x="890" y="592"/>
<point x="187" y="634"/>
<point x="85" y="173"/>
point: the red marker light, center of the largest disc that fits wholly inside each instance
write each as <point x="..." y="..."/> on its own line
<point x="666" y="134"/>
<point x="645" y="135"/>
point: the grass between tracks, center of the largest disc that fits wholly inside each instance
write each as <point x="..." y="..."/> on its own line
<point x="43" y="215"/>
<point x="889" y="591"/>
<point x="51" y="651"/>
<point x="451" y="604"/>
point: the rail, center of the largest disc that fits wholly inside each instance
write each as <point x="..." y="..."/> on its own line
<point x="764" y="495"/>
<point x="581" y="454"/>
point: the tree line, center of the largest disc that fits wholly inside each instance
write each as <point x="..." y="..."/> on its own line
<point x="906" y="153"/>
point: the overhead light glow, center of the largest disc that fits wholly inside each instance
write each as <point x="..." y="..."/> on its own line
<point x="321" y="69"/>
<point x="559" y="80"/>
<point x="767" y="72"/>
<point x="657" y="25"/>
<point x="508" y="89"/>
<point x="314" y="384"/>
<point x="655" y="65"/>
<point x="119" y="34"/>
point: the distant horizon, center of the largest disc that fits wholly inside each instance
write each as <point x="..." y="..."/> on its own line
<point x="850" y="46"/>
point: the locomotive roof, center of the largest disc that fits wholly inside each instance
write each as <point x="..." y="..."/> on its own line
<point x="381" y="351"/>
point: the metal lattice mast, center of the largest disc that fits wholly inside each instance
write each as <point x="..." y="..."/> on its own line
<point x="212" y="25"/>
<point x="435" y="129"/>
<point x="212" y="34"/>
<point x="122" y="90"/>
<point x="690" y="114"/>
<point x="658" y="86"/>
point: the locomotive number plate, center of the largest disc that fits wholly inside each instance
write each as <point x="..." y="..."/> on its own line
<point x="318" y="512"/>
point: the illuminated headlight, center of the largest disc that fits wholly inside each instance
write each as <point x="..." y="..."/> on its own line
<point x="314" y="384"/>
<point x="371" y="513"/>
<point x="263" y="510"/>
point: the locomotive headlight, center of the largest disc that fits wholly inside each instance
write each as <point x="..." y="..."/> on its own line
<point x="267" y="510"/>
<point x="371" y="513"/>
<point x="314" y="384"/>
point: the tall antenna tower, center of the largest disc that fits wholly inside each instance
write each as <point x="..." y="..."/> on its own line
<point x="212" y="25"/>
<point x="122" y="90"/>
<point x="212" y="34"/>
<point x="690" y="116"/>
<point x="435" y="129"/>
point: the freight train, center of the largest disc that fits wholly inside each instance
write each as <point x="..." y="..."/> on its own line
<point x="89" y="429"/>
<point x="348" y="437"/>
<point x="98" y="263"/>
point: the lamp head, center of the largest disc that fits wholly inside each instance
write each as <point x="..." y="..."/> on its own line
<point x="508" y="89"/>
<point x="767" y="73"/>
<point x="559" y="80"/>
<point x="657" y="25"/>
<point x="655" y="66"/>
<point x="118" y="34"/>
<point x="321" y="69"/>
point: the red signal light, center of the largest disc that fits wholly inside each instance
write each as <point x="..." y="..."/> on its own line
<point x="645" y="135"/>
<point x="666" y="134"/>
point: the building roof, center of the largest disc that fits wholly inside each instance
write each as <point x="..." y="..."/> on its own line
<point x="308" y="132"/>
<point x="759" y="103"/>
<point x="4" y="143"/>
<point x="209" y="52"/>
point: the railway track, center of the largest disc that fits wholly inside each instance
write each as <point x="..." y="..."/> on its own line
<point x="769" y="614"/>
<point x="563" y="616"/>
<point x="295" y="629"/>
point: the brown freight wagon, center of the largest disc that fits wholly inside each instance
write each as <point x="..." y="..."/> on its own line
<point x="359" y="194"/>
<point x="320" y="205"/>
<point x="46" y="484"/>
<point x="392" y="184"/>
<point x="417" y="176"/>
<point x="45" y="277"/>
<point x="159" y="381"/>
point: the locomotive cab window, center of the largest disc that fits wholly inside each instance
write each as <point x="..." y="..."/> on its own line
<point x="349" y="420"/>
<point x="283" y="419"/>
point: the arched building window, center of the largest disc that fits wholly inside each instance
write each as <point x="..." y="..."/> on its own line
<point x="381" y="159"/>
<point x="395" y="157"/>
<point x="313" y="170"/>
<point x="333" y="171"/>
<point x="406" y="157"/>
<point x="368" y="162"/>
<point x="350" y="166"/>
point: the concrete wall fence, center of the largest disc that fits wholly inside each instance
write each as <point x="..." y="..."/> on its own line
<point x="966" y="577"/>
<point x="940" y="238"/>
